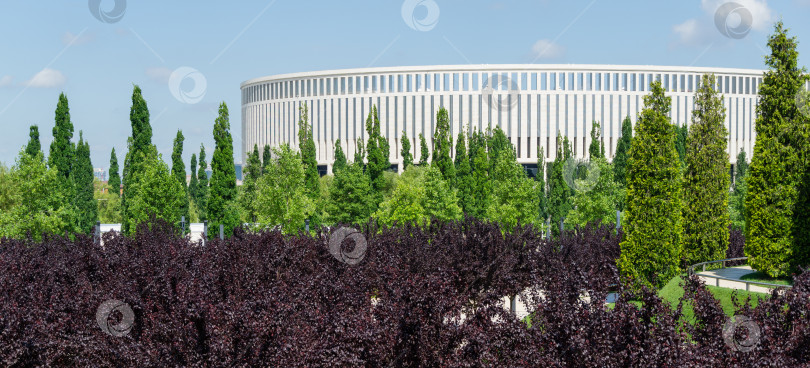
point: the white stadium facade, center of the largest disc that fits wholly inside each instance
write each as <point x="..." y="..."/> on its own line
<point x="532" y="103"/>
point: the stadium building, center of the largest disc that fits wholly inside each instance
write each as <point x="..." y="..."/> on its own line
<point x="532" y="103"/>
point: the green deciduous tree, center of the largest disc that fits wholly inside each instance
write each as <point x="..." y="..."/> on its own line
<point x="441" y="201"/>
<point x="109" y="204"/>
<point x="34" y="201"/>
<point x="706" y="179"/>
<point x="114" y="180"/>
<point x="651" y="249"/>
<point x="596" y="203"/>
<point x="82" y="178"/>
<point x="179" y="172"/>
<point x="282" y="197"/>
<point x="156" y="194"/>
<point x="442" y="144"/>
<point x="350" y="196"/>
<point x="777" y="237"/>
<point x="514" y="196"/>
<point x="406" y="202"/>
<point x="407" y="157"/>
<point x="33" y="145"/>
<point x="222" y="189"/>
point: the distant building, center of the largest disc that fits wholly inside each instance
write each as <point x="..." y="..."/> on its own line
<point x="100" y="174"/>
<point x="532" y="103"/>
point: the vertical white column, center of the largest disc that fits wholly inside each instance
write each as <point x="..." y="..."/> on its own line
<point x="584" y="105"/>
<point x="511" y="115"/>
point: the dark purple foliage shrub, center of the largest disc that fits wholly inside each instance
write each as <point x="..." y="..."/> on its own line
<point x="419" y="297"/>
<point x="736" y="246"/>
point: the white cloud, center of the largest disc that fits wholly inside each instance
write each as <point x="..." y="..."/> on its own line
<point x="47" y="78"/>
<point x="69" y="38"/>
<point x="545" y="49"/>
<point x="159" y="74"/>
<point x="693" y="32"/>
<point x="763" y="16"/>
<point x="6" y="81"/>
<point x="702" y="30"/>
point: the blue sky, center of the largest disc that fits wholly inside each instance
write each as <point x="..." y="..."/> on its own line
<point x="189" y="56"/>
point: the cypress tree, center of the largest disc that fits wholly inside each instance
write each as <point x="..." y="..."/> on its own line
<point x="480" y="183"/>
<point x="252" y="173"/>
<point x="559" y="193"/>
<point x="376" y="156"/>
<point x="407" y="157"/>
<point x="542" y="209"/>
<point x="706" y="179"/>
<point x="776" y="227"/>
<point x="139" y="148"/>
<point x="179" y="173"/>
<point x="360" y="155"/>
<point x="33" y="147"/>
<point x="61" y="152"/>
<point x="622" y="148"/>
<point x="681" y="133"/>
<point x="267" y="158"/>
<point x="222" y="191"/>
<point x="424" y="152"/>
<point x="202" y="186"/>
<point x="82" y="177"/>
<point x="306" y="144"/>
<point x="114" y="180"/>
<point x="463" y="174"/>
<point x="193" y="183"/>
<point x="498" y="143"/>
<point x="340" y="158"/>
<point x="442" y="144"/>
<point x="596" y="149"/>
<point x="651" y="249"/>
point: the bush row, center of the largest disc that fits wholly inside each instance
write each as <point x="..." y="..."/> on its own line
<point x="428" y="296"/>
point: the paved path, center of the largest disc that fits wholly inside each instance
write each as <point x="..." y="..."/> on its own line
<point x="735" y="273"/>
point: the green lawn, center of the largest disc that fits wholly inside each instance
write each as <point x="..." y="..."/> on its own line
<point x="673" y="291"/>
<point x="763" y="277"/>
